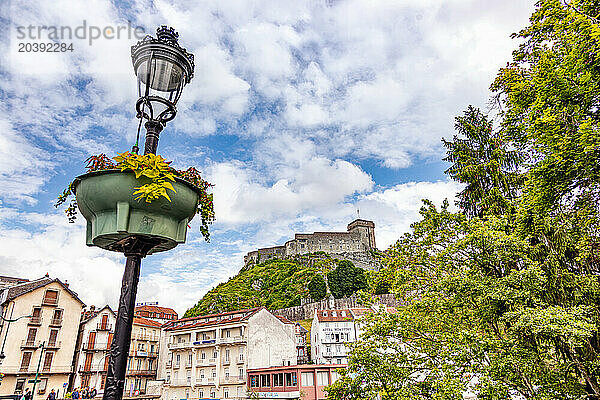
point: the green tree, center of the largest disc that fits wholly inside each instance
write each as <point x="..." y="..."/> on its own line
<point x="481" y="159"/>
<point x="503" y="297"/>
<point x="317" y="288"/>
<point x="346" y="279"/>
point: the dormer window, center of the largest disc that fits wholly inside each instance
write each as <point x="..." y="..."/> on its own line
<point x="334" y="314"/>
<point x="343" y="313"/>
<point x="324" y="313"/>
<point x="50" y="298"/>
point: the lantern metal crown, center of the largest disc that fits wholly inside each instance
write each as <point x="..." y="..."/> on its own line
<point x="162" y="68"/>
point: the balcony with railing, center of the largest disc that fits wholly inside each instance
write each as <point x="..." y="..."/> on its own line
<point x="233" y="339"/>
<point x="180" y="345"/>
<point x="30" y="344"/>
<point x="57" y="322"/>
<point x="188" y="363"/>
<point x="50" y="301"/>
<point x="92" y="369"/>
<point x="205" y="381"/>
<point x="240" y="360"/>
<point x="233" y="380"/>
<point x="226" y="361"/>
<point x="103" y="326"/>
<point x="35" y="321"/>
<point x="95" y="346"/>
<point x="141" y="372"/>
<point x="146" y="336"/>
<point x="53" y="345"/>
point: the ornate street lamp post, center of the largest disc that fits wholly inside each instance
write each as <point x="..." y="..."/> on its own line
<point x="163" y="68"/>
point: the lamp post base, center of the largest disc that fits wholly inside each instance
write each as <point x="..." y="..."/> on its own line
<point x="134" y="248"/>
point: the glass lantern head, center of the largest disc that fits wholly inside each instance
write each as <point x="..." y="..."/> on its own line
<point x="162" y="68"/>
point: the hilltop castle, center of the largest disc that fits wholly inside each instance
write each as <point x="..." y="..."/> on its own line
<point x="359" y="238"/>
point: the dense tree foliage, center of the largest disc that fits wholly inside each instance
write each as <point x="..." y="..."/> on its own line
<point x="274" y="284"/>
<point x="502" y="298"/>
<point x="346" y="279"/>
<point x="317" y="287"/>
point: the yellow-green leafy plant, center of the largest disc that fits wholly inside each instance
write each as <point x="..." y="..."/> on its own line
<point x="160" y="175"/>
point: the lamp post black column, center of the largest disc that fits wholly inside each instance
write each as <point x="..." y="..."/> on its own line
<point x="163" y="68"/>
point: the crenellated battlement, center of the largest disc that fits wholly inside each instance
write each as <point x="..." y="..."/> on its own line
<point x="359" y="238"/>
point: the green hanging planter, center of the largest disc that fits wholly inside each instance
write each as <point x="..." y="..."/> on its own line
<point x="105" y="199"/>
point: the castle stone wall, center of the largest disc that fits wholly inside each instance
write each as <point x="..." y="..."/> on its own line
<point x="359" y="238"/>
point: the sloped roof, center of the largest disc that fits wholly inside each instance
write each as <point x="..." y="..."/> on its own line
<point x="88" y="315"/>
<point x="146" y="322"/>
<point x="327" y="315"/>
<point x="156" y="309"/>
<point x="207" y="320"/>
<point x="20" y="289"/>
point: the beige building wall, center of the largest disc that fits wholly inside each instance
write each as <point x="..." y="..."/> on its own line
<point x="92" y="356"/>
<point x="142" y="364"/>
<point x="211" y="360"/>
<point x="14" y="339"/>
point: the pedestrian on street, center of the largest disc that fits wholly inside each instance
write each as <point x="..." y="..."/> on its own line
<point x="52" y="395"/>
<point x="93" y="393"/>
<point x="75" y="394"/>
<point x="28" y="394"/>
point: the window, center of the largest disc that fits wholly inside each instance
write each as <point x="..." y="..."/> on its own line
<point x="25" y="361"/>
<point x="324" y="313"/>
<point x="291" y="379"/>
<point x="187" y="393"/>
<point x="226" y="393"/>
<point x="103" y="380"/>
<point x="254" y="381"/>
<point x="228" y="333"/>
<point x="203" y="356"/>
<point x="42" y="385"/>
<point x="278" y="379"/>
<point x="334" y="376"/>
<point x="36" y="315"/>
<point x="338" y="360"/>
<point x="19" y="386"/>
<point x="226" y="372"/>
<point x="52" y="338"/>
<point x="214" y="373"/>
<point x="227" y="354"/>
<point x="213" y="394"/>
<point x="200" y="393"/>
<point x="343" y="313"/>
<point x="322" y="378"/>
<point x="31" y="336"/>
<point x="241" y="373"/>
<point x="201" y="375"/>
<point x="334" y="314"/>
<point x="265" y="380"/>
<point x="48" y="361"/>
<point x="214" y="354"/>
<point x="308" y="379"/>
<point x="50" y="297"/>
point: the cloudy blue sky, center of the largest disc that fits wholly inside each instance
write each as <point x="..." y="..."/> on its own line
<point x="300" y="112"/>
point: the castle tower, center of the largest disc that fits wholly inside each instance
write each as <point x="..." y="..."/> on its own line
<point x="366" y="229"/>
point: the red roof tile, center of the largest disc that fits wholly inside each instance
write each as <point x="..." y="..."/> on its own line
<point x="338" y="316"/>
<point x="146" y="322"/>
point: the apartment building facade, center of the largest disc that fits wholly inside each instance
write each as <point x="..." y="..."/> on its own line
<point x="45" y="338"/>
<point x="330" y="332"/>
<point x="209" y="356"/>
<point x="95" y="337"/>
<point x="142" y="365"/>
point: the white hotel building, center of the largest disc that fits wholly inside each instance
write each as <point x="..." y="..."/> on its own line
<point x="209" y="356"/>
<point x="331" y="330"/>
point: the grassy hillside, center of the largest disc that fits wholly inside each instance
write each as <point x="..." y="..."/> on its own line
<point x="273" y="284"/>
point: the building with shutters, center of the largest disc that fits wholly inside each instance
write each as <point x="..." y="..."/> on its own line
<point x="208" y="356"/>
<point x="143" y="356"/>
<point x="45" y="338"/>
<point x="95" y="337"/>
